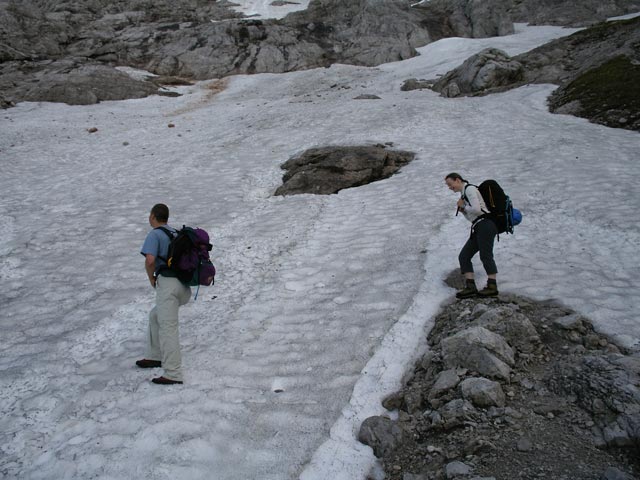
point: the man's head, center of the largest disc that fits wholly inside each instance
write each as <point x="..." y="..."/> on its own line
<point x="159" y="214"/>
<point x="455" y="182"/>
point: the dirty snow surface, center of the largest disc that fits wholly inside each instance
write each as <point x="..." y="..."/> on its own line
<point x="320" y="302"/>
<point x="268" y="8"/>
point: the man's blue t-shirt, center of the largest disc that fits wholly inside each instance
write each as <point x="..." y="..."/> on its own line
<point x="157" y="244"/>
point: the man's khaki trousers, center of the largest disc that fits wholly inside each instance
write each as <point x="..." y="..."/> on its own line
<point x="164" y="337"/>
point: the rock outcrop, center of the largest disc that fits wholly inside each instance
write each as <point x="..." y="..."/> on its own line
<point x="597" y="70"/>
<point x="466" y="18"/>
<point x="570" y="13"/>
<point x="328" y="170"/>
<point x="570" y="397"/>
<point x="486" y="71"/>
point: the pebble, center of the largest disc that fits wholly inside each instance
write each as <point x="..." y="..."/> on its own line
<point x="524" y="445"/>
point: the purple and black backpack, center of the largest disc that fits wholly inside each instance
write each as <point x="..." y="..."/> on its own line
<point x="189" y="256"/>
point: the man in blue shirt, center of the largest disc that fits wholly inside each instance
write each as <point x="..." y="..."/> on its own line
<point x="163" y="340"/>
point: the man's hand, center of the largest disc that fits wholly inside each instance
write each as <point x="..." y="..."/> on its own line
<point x="150" y="267"/>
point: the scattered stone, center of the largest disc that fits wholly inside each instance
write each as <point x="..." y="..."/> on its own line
<point x="367" y="96"/>
<point x="415" y="84"/>
<point x="524" y="445"/>
<point x="171" y="125"/>
<point x="92" y="130"/>
<point x="569" y="322"/>
<point x="483" y="392"/>
<point x="381" y="434"/>
<point x="516" y="328"/>
<point x="457" y="469"/>
<point x="446" y="380"/>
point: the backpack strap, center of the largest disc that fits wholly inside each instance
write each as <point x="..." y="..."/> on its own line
<point x="169" y="234"/>
<point x="464" y="191"/>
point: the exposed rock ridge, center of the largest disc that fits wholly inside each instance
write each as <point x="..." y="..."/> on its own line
<point x="508" y="382"/>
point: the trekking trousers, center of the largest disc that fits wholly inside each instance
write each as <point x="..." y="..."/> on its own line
<point x="163" y="339"/>
<point x="481" y="240"/>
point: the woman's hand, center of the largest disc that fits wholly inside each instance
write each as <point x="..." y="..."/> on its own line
<point x="461" y="204"/>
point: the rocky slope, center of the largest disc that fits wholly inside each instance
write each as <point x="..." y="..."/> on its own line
<point x="197" y="39"/>
<point x="513" y="388"/>
<point x="597" y="70"/>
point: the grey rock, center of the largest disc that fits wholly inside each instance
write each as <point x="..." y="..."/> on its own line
<point x="328" y="170"/>
<point x="483" y="392"/>
<point x="487" y="70"/>
<point x="395" y="401"/>
<point x="466" y="18"/>
<point x="413" y="400"/>
<point x="569" y="322"/>
<point x="457" y="412"/>
<point x="88" y="84"/>
<point x="524" y="445"/>
<point x="515" y="327"/>
<point x="615" y="436"/>
<point x="381" y="434"/>
<point x="478" y="349"/>
<point x="569" y="13"/>
<point x="203" y="40"/>
<point x="367" y="96"/>
<point x="445" y="381"/>
<point x="479" y="310"/>
<point x="457" y="469"/>
<point x="613" y="473"/>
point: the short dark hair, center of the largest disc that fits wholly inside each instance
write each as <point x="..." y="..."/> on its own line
<point x="161" y="212"/>
<point x="455" y="176"/>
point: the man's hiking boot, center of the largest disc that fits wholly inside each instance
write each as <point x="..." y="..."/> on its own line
<point x="144" y="363"/>
<point x="166" y="381"/>
<point x="491" y="290"/>
<point x="469" y="291"/>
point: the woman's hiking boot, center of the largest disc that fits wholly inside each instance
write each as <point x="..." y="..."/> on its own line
<point x="470" y="290"/>
<point x="491" y="290"/>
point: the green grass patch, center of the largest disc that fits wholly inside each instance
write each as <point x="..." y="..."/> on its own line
<point x="608" y="94"/>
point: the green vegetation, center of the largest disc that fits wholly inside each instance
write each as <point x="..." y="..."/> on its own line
<point x="604" y="30"/>
<point x="608" y="94"/>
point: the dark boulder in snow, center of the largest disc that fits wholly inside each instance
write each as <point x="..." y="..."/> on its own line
<point x="328" y="170"/>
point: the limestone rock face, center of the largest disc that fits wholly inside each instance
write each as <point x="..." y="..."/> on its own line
<point x="77" y="84"/>
<point x="467" y="18"/>
<point x="487" y="70"/>
<point x="203" y="40"/>
<point x="328" y="170"/>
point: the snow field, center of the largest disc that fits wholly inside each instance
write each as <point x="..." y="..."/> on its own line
<point x="320" y="303"/>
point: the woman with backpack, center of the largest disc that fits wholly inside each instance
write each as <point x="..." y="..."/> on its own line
<point x="483" y="234"/>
